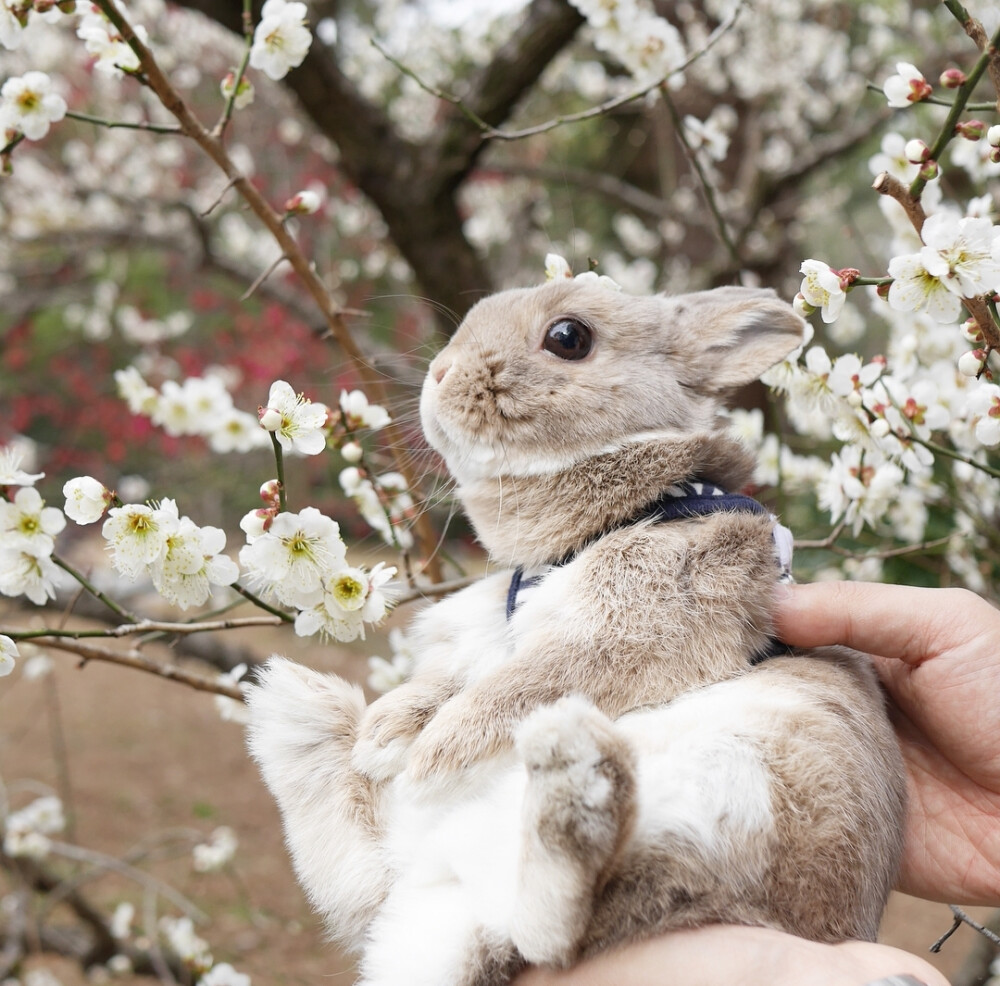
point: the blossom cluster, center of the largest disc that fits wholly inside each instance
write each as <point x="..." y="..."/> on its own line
<point x="28" y="530"/>
<point x="199" y="406"/>
<point x="27" y="832"/>
<point x="183" y="561"/>
<point x="217" y="852"/>
<point x="648" y="45"/>
<point x="301" y="560"/>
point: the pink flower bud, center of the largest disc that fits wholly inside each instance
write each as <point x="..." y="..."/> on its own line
<point x="847" y="276"/>
<point x="995" y="155"/>
<point x="270" y="492"/>
<point x="270" y="419"/>
<point x="916" y="151"/>
<point x="970" y="129"/>
<point x="971" y="330"/>
<point x="929" y="170"/>
<point x="993" y="135"/>
<point x="952" y="78"/>
<point x="883" y="291"/>
<point x="970" y="364"/>
<point x="920" y="89"/>
<point x="304" y="203"/>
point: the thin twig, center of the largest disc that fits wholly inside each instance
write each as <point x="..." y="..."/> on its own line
<point x="115" y="608"/>
<point x="435" y="591"/>
<point x="962" y="94"/>
<point x="110" y="863"/>
<point x="151" y="626"/>
<point x="262" y="277"/>
<point x="218" y="199"/>
<point x="962" y="918"/>
<point x="258" y="602"/>
<point x="227" y="113"/>
<point x="153" y="128"/>
<point x="493" y="133"/>
<point x="139" y="661"/>
<point x="707" y="189"/>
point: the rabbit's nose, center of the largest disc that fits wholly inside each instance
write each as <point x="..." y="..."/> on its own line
<point x="439" y="371"/>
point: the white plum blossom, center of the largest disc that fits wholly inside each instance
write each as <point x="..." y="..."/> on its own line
<point x="86" y="499"/>
<point x="859" y="491"/>
<point x="224" y="974"/>
<point x="111" y="52"/>
<point x="848" y="375"/>
<point x="213" y="855"/>
<point x="281" y="39"/>
<point x="384" y="675"/>
<point x="295" y="555"/>
<point x="136" y="537"/>
<point x="707" y="136"/>
<point x="822" y="288"/>
<point x="8" y="655"/>
<point x="649" y="46"/>
<point x="982" y="408"/>
<point x="360" y="414"/>
<point x="25" y="574"/>
<point x="133" y="389"/>
<point x="385" y="513"/>
<point x="905" y="87"/>
<point x="189" y="948"/>
<point x="13" y="18"/>
<point x="295" y="421"/>
<point x="120" y="924"/>
<point x="11" y="473"/>
<point x="964" y="253"/>
<point x="28" y="105"/>
<point x="556" y="267"/>
<point x="27" y="525"/>
<point x="192" y="407"/>
<point x="346" y="601"/>
<point x="914" y="288"/>
<point x="893" y="159"/>
<point x="229" y="709"/>
<point x="26" y="832"/>
<point x="192" y="561"/>
<point x="234" y="431"/>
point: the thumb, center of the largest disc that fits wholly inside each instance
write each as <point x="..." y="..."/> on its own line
<point x="902" y="622"/>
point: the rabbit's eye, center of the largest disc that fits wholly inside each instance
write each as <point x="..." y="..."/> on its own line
<point x="568" y="339"/>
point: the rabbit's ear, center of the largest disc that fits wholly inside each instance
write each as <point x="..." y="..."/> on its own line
<point x="728" y="337"/>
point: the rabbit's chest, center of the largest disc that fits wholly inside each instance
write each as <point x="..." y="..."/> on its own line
<point x="482" y="627"/>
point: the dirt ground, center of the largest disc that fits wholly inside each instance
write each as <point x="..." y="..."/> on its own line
<point x="144" y="756"/>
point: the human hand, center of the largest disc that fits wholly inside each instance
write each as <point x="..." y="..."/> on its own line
<point x="937" y="652"/>
<point x="737" y="956"/>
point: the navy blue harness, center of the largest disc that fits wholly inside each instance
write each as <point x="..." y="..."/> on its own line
<point x="679" y="502"/>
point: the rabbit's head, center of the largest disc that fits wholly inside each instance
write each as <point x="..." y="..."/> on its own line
<point x="538" y="379"/>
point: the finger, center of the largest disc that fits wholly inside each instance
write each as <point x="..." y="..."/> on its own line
<point x="902" y="622"/>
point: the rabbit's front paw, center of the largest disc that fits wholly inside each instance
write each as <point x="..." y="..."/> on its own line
<point x="395" y="721"/>
<point x="389" y="728"/>
<point x="460" y="735"/>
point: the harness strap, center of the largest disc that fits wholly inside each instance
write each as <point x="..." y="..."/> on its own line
<point x="679" y="502"/>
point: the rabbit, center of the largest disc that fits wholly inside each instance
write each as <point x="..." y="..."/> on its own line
<point x="599" y="741"/>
